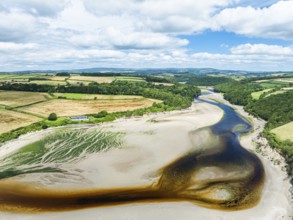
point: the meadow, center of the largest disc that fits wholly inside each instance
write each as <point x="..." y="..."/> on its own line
<point x="284" y="132"/>
<point x="256" y="95"/>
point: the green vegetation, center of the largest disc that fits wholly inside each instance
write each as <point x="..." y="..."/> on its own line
<point x="284" y="132"/>
<point x="129" y="78"/>
<point x="63" y="74"/>
<point x="52" y="117"/>
<point x="202" y="80"/>
<point x="238" y="93"/>
<point x="276" y="109"/>
<point x="64" y="146"/>
<point x="173" y="97"/>
<point x="256" y="95"/>
<point x="273" y="84"/>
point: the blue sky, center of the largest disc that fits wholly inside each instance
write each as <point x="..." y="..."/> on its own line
<point x="221" y="41"/>
<point x="70" y="34"/>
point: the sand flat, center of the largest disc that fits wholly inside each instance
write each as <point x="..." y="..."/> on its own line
<point x="146" y="157"/>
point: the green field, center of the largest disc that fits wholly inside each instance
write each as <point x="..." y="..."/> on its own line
<point x="272" y="84"/>
<point x="284" y="132"/>
<point x="128" y="78"/>
<point x="256" y="95"/>
<point x="18" y="76"/>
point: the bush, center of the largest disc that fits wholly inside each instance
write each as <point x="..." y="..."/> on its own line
<point x="52" y="117"/>
<point x="101" y="114"/>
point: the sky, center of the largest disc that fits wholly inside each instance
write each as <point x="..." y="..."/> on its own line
<point x="75" y="34"/>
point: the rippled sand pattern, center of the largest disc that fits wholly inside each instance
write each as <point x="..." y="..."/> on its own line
<point x="217" y="173"/>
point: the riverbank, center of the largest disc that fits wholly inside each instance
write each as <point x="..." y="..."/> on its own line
<point x="277" y="185"/>
<point x="154" y="142"/>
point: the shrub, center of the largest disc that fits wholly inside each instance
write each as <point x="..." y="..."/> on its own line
<point x="101" y="114"/>
<point x="52" y="117"/>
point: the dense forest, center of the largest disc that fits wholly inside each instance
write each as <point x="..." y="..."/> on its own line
<point x="238" y="93"/>
<point x="201" y="80"/>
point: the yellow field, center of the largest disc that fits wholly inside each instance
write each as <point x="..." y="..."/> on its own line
<point x="102" y="79"/>
<point x="58" y="78"/>
<point x="284" y="132"/>
<point x="11" y="120"/>
<point x="63" y="107"/>
<point x="14" y="98"/>
<point x="48" y="82"/>
<point x="290" y="80"/>
<point x="95" y="96"/>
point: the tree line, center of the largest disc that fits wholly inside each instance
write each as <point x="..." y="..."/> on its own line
<point x="172" y="97"/>
<point x="277" y="110"/>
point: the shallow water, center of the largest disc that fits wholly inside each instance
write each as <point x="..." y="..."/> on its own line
<point x="217" y="174"/>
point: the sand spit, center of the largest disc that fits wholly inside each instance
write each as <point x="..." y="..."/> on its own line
<point x="146" y="153"/>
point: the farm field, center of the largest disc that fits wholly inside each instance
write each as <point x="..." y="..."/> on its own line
<point x="77" y="83"/>
<point x="15" y="98"/>
<point x="273" y="83"/>
<point x="290" y="80"/>
<point x="284" y="132"/>
<point x="97" y="79"/>
<point x="256" y="95"/>
<point x="98" y="97"/>
<point x="129" y="78"/>
<point x="11" y="120"/>
<point x="63" y="107"/>
<point x="17" y="76"/>
<point x="48" y="82"/>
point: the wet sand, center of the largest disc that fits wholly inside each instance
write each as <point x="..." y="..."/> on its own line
<point x="150" y="147"/>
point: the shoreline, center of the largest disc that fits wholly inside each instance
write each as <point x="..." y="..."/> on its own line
<point x="200" y="114"/>
<point x="269" y="156"/>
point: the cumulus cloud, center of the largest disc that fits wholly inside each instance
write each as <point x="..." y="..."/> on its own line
<point x="138" y="33"/>
<point x="263" y="49"/>
<point x="16" y="25"/>
<point x="36" y="7"/>
<point x="269" y="22"/>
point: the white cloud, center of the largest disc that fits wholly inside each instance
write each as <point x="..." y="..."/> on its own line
<point x="16" y="25"/>
<point x="263" y="49"/>
<point x="11" y="47"/>
<point x="138" y="33"/>
<point x="37" y="7"/>
<point x="113" y="38"/>
<point x="271" y="22"/>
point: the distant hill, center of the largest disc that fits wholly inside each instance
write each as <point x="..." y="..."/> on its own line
<point x="198" y="71"/>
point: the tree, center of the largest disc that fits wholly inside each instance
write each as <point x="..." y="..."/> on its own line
<point x="52" y="117"/>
